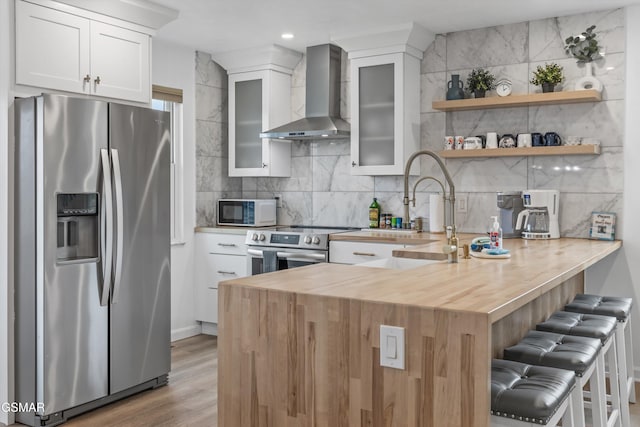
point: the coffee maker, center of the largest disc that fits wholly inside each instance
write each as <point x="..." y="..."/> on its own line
<point x="510" y="204"/>
<point x="539" y="219"/>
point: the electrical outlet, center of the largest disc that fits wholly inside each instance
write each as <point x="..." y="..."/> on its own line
<point x="278" y="198"/>
<point x="462" y="204"/>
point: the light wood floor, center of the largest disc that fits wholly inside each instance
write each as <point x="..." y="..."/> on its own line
<point x="190" y="399"/>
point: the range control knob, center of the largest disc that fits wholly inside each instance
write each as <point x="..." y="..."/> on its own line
<point x="254" y="237"/>
<point x="316" y="240"/>
<point x="307" y="240"/>
<point x="262" y="237"/>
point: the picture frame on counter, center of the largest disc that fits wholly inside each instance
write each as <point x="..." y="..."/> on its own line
<point x="603" y="226"/>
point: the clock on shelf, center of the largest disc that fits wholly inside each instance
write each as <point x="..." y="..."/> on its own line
<point x="503" y="87"/>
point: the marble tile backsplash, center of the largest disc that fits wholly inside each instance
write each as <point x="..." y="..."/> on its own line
<point x="322" y="191"/>
<point x="212" y="152"/>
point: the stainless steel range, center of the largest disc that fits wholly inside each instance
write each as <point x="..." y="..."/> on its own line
<point x="288" y="247"/>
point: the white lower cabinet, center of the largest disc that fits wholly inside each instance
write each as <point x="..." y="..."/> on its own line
<point x="344" y="252"/>
<point x="218" y="257"/>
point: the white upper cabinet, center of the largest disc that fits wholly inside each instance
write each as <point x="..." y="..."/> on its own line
<point x="385" y="98"/>
<point x="120" y="63"/>
<point x="385" y="123"/>
<point x="52" y="48"/>
<point x="64" y="51"/>
<point x="259" y="100"/>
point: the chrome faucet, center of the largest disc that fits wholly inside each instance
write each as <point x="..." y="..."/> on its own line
<point x="451" y="248"/>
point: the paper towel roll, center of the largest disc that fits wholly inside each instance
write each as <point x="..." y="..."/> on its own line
<point x="436" y="213"/>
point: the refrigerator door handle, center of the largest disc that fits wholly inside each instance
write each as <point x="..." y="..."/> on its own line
<point x="117" y="179"/>
<point x="107" y="231"/>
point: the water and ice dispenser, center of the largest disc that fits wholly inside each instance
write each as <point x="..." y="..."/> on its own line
<point x="78" y="227"/>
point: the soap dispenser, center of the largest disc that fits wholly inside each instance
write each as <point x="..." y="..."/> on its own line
<point x="495" y="234"/>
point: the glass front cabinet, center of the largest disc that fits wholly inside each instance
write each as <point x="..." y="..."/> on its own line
<point x="258" y="101"/>
<point x="385" y="113"/>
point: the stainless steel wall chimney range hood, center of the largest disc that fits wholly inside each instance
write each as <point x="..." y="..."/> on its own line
<point x="322" y="100"/>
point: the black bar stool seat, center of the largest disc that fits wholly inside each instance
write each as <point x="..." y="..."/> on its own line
<point x="617" y="307"/>
<point x="574" y="353"/>
<point x="570" y="352"/>
<point x="584" y="325"/>
<point x="528" y="393"/>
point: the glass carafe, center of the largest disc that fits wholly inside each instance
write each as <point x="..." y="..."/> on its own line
<point x="537" y="221"/>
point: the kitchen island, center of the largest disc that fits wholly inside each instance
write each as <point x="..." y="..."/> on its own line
<point x="301" y="347"/>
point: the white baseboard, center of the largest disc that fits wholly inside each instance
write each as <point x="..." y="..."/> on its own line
<point x="182" y="333"/>
<point x="210" y="328"/>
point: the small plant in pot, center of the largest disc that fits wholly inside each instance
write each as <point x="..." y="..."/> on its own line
<point x="547" y="77"/>
<point x="480" y="81"/>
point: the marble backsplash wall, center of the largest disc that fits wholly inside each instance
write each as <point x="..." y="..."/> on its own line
<point x="586" y="183"/>
<point x="212" y="148"/>
<point x="321" y="190"/>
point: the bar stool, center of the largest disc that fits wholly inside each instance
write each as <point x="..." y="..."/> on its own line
<point x="579" y="354"/>
<point x="592" y="326"/>
<point x="620" y="308"/>
<point x="527" y="395"/>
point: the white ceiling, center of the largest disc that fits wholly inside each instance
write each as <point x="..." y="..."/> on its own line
<point x="216" y="26"/>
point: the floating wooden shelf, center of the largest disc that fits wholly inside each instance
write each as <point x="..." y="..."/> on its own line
<point x="562" y="150"/>
<point x="568" y="97"/>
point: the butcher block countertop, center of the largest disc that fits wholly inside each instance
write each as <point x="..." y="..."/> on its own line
<point x="495" y="287"/>
<point x="301" y="347"/>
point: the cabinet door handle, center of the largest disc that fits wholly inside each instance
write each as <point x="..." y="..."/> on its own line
<point x="87" y="78"/>
<point x="364" y="253"/>
<point x="229" y="245"/>
<point x="97" y="80"/>
<point x="226" y="272"/>
<point x="353" y="164"/>
<point x="264" y="165"/>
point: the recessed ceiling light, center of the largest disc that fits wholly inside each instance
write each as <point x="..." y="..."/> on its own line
<point x="287" y="36"/>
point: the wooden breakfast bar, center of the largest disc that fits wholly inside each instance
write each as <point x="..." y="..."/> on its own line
<point x="300" y="347"/>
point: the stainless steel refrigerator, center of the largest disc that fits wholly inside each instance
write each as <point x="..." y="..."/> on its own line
<point x="92" y="254"/>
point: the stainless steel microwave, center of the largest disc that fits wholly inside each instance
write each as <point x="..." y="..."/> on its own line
<point x="247" y="212"/>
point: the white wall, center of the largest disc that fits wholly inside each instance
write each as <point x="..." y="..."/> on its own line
<point x="174" y="66"/>
<point x="619" y="274"/>
<point x="6" y="297"/>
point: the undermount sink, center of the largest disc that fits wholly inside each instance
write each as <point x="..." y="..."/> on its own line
<point x="400" y="263"/>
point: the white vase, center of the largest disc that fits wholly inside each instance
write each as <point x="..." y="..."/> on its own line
<point x="588" y="81"/>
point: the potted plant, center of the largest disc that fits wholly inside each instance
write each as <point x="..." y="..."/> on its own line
<point x="585" y="49"/>
<point x="480" y="81"/>
<point x="547" y="77"/>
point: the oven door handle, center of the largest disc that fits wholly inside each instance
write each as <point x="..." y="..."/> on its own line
<point x="302" y="255"/>
<point x="255" y="252"/>
<point x="291" y="255"/>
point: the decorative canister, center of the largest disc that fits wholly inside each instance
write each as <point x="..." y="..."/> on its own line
<point x="455" y="88"/>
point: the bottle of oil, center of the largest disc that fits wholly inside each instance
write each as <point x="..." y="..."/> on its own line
<point x="374" y="214"/>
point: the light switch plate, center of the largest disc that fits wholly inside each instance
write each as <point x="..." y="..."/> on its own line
<point x="390" y="336"/>
<point x="462" y="203"/>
